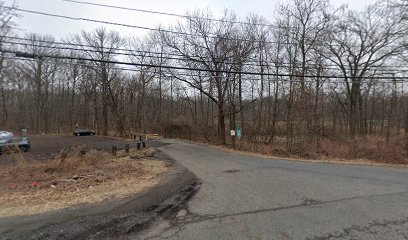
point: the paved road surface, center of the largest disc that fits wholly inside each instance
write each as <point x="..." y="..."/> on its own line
<point x="246" y="197"/>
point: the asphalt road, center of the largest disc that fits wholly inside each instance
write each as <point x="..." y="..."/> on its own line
<point x="244" y="197"/>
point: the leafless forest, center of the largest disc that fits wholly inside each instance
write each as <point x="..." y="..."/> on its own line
<point x="309" y="80"/>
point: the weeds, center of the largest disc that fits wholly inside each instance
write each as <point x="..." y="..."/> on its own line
<point x="370" y="148"/>
<point x="73" y="177"/>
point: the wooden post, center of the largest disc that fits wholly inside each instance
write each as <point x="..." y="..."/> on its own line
<point x="138" y="145"/>
<point x="63" y="155"/>
<point x="127" y="148"/>
<point x="144" y="144"/>
<point x="114" y="150"/>
<point x="82" y="152"/>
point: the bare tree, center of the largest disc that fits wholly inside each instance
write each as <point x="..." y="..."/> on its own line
<point x="41" y="73"/>
<point x="102" y="47"/>
<point x="210" y="46"/>
<point x="6" y="29"/>
<point x="145" y="61"/>
<point x="359" y="44"/>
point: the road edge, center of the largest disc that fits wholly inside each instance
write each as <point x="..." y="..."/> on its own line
<point x="363" y="162"/>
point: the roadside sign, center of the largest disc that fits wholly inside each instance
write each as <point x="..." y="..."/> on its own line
<point x="238" y="132"/>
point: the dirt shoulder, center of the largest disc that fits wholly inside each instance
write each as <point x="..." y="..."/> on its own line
<point x="330" y="160"/>
<point x="121" y="204"/>
<point x="72" y="179"/>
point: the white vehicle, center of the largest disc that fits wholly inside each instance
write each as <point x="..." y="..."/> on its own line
<point x="9" y="141"/>
<point x="5" y="134"/>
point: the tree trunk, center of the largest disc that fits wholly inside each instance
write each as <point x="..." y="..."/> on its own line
<point x="4" y="106"/>
<point x="105" y="128"/>
<point x="354" y="108"/>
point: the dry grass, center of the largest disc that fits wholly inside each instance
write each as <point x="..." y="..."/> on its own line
<point x="371" y="150"/>
<point x="74" y="179"/>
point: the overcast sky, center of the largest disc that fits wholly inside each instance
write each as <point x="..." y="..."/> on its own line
<point x="61" y="28"/>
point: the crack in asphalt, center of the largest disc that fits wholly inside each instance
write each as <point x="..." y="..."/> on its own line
<point x="192" y="218"/>
<point x="177" y="227"/>
<point x="348" y="232"/>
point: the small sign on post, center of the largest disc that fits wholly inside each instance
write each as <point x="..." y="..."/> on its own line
<point x="238" y="132"/>
<point x="24" y="132"/>
<point x="233" y="138"/>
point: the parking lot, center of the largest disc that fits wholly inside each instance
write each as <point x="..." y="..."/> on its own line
<point x="45" y="147"/>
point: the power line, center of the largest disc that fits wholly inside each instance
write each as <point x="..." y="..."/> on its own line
<point x="185" y="16"/>
<point x="166" y="75"/>
<point x="167" y="14"/>
<point x="211" y="35"/>
<point x="142" y="27"/>
<point x="154" y="29"/>
<point x="172" y="58"/>
<point x="29" y="55"/>
<point x="164" y="55"/>
<point x="90" y="20"/>
<point x="122" y="24"/>
<point x="52" y="47"/>
<point x="88" y="46"/>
